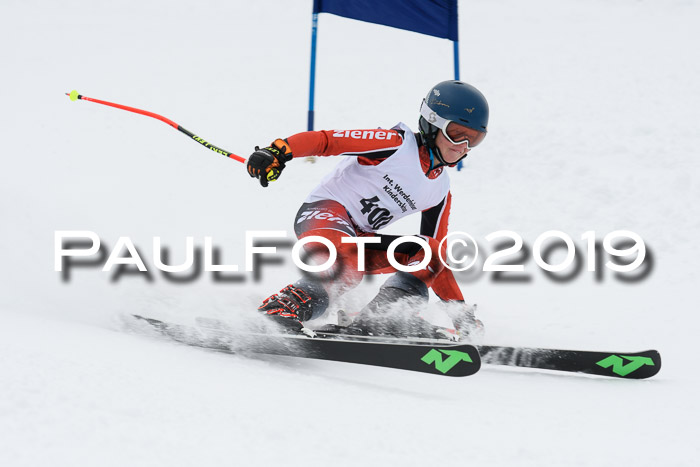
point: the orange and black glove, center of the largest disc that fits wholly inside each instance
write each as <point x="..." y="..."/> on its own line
<point x="266" y="164"/>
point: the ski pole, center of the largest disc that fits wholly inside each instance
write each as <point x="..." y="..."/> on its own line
<point x="74" y="96"/>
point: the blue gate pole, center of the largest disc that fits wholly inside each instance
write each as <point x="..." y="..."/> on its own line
<point x="456" y="49"/>
<point x="312" y="79"/>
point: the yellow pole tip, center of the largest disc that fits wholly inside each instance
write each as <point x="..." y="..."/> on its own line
<point x="73" y="95"/>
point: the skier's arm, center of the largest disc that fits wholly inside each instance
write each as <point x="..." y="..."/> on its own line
<point x="370" y="144"/>
<point x="434" y="223"/>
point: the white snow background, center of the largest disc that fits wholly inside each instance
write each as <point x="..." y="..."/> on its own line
<point x="594" y="126"/>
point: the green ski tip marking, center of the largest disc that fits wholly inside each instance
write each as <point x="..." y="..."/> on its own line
<point x="444" y="365"/>
<point x="622" y="368"/>
<point x="73" y="95"/>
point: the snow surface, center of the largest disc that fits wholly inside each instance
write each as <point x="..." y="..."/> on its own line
<point x="593" y="127"/>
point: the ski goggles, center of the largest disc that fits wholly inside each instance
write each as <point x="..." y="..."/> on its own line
<point x="452" y="131"/>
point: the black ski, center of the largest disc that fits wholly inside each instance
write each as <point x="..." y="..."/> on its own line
<point x="629" y="365"/>
<point x="449" y="359"/>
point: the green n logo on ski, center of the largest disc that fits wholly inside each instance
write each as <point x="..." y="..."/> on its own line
<point x="621" y="368"/>
<point x="444" y="365"/>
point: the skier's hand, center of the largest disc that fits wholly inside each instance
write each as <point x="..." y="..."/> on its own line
<point x="266" y="164"/>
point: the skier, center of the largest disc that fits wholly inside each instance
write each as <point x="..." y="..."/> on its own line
<point x="387" y="175"/>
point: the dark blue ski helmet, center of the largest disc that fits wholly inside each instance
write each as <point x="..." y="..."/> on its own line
<point x="452" y="101"/>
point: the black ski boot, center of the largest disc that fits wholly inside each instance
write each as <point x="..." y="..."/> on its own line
<point x="394" y="311"/>
<point x="295" y="303"/>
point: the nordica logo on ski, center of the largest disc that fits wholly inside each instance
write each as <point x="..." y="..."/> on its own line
<point x="444" y="365"/>
<point x="619" y="367"/>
